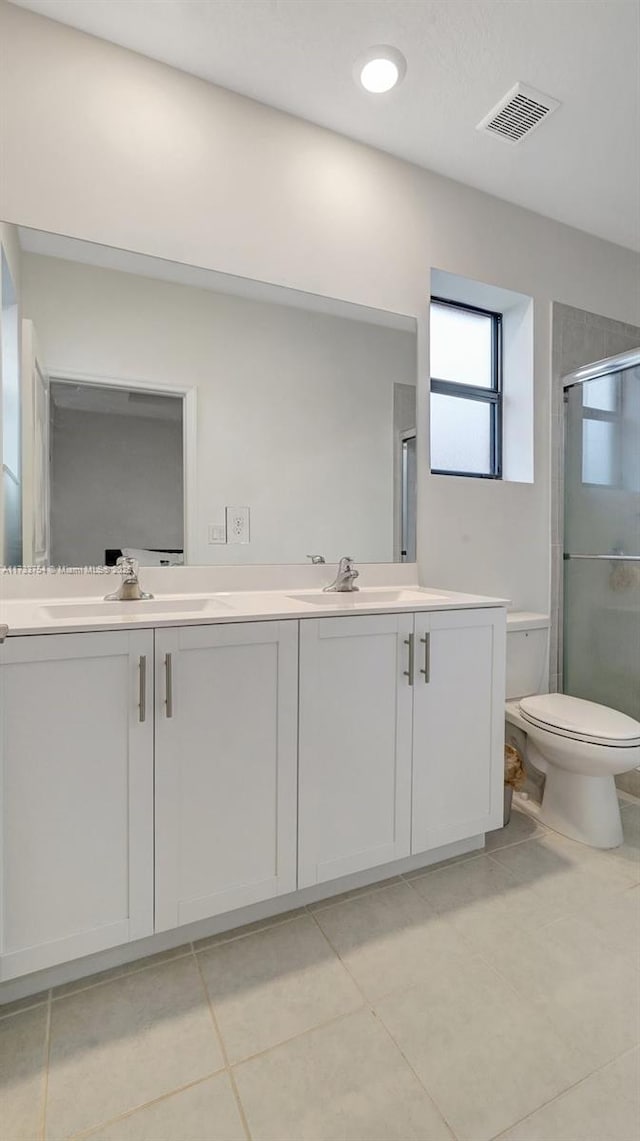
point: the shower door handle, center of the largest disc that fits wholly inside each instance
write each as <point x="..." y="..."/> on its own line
<point x="605" y="558"/>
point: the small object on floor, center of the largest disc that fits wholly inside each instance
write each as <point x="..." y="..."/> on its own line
<point x="514" y="774"/>
<point x="514" y="777"/>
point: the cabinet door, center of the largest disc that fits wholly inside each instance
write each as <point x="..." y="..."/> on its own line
<point x="458" y="725"/>
<point x="77" y="795"/>
<point x="354" y="746"/>
<point x="226" y="736"/>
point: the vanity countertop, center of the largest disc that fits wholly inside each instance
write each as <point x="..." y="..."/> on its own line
<point x="90" y="613"/>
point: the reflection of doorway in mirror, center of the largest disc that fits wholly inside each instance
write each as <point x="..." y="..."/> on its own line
<point x="404" y="472"/>
<point x="409" y="498"/>
<point x="35" y="452"/>
<point x="10" y="460"/>
<point x="117" y="474"/>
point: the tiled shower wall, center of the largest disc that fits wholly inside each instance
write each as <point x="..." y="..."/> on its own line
<point x="579" y="338"/>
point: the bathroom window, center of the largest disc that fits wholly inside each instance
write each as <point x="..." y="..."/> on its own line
<point x="601" y="431"/>
<point x="466" y="390"/>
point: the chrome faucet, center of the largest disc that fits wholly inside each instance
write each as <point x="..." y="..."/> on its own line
<point x="317" y="558"/>
<point x="346" y="576"/>
<point x="129" y="589"/>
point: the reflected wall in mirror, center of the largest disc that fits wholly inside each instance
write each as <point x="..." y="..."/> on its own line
<point x="183" y="415"/>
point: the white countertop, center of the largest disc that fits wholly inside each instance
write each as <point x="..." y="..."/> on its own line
<point x="64" y="615"/>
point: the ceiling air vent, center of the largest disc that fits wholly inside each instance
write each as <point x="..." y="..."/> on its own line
<point x="518" y="114"/>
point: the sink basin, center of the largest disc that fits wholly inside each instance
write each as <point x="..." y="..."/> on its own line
<point x="149" y="607"/>
<point x="366" y="598"/>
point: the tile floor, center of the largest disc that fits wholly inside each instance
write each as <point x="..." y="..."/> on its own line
<point x="493" y="996"/>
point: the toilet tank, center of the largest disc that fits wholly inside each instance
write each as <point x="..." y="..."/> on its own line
<point x="527" y="653"/>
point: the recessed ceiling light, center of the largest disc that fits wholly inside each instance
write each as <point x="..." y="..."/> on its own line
<point x="380" y="69"/>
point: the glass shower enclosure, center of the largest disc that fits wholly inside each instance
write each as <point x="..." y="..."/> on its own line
<point x="601" y="637"/>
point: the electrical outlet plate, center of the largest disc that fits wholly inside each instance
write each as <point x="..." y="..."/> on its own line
<point x="237" y="524"/>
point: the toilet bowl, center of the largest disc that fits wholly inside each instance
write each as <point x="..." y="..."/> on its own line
<point x="580" y="747"/>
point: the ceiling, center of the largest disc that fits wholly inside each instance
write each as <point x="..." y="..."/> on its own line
<point x="582" y="166"/>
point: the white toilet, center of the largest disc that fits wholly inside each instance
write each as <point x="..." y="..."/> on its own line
<point x="579" y="746"/>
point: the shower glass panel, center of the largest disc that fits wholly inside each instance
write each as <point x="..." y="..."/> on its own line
<point x="602" y="536"/>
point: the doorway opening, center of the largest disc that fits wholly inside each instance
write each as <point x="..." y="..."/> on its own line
<point x="116" y="475"/>
<point x="409" y="496"/>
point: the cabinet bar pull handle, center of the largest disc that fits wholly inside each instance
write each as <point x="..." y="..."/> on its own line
<point x="168" y="685"/>
<point x="142" y="690"/>
<point x="426" y="642"/>
<point x="410" y="672"/>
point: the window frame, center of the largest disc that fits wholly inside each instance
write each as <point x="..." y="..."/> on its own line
<point x="492" y="396"/>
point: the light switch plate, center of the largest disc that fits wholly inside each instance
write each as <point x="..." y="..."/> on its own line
<point x="237" y="524"/>
<point x="217" y="533"/>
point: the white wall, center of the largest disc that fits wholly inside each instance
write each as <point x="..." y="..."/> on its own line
<point x="295" y="408"/>
<point x="106" y="145"/>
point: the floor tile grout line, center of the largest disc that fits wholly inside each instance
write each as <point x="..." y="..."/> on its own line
<point x="516" y="843"/>
<point x="364" y="997"/>
<point x="344" y="1014"/>
<point x="416" y="1075"/>
<point x="479" y="955"/>
<point x="352" y="893"/>
<point x="93" y="1129"/>
<point x="570" y="913"/>
<point x="520" y="996"/>
<point x="223" y="1049"/>
<point x="130" y="969"/>
<point x="482" y="956"/>
<point x="613" y="889"/>
<point x="45" y="1076"/>
<point x="277" y="920"/>
<point x="564" y="1092"/>
<point x="23" y="1009"/>
<point x="368" y="1006"/>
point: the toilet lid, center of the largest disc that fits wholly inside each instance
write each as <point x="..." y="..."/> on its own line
<point x="584" y="720"/>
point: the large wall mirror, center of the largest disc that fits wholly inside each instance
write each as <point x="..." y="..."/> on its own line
<point x="182" y="415"/>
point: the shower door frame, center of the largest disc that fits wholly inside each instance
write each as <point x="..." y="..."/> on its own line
<point x="606" y="367"/>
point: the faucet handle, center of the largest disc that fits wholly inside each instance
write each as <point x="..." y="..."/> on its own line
<point x="129" y="566"/>
<point x="317" y="558"/>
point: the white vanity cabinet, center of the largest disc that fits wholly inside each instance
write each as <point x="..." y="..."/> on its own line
<point x="401" y="736"/>
<point x="458" y="725"/>
<point x="354" y="745"/>
<point x="226" y="761"/>
<point x="76" y="757"/>
<point x="151" y="779"/>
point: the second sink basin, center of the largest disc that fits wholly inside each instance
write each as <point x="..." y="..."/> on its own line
<point x="366" y="597"/>
<point x="147" y="607"/>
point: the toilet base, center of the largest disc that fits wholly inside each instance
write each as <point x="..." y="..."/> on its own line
<point x="584" y="808"/>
